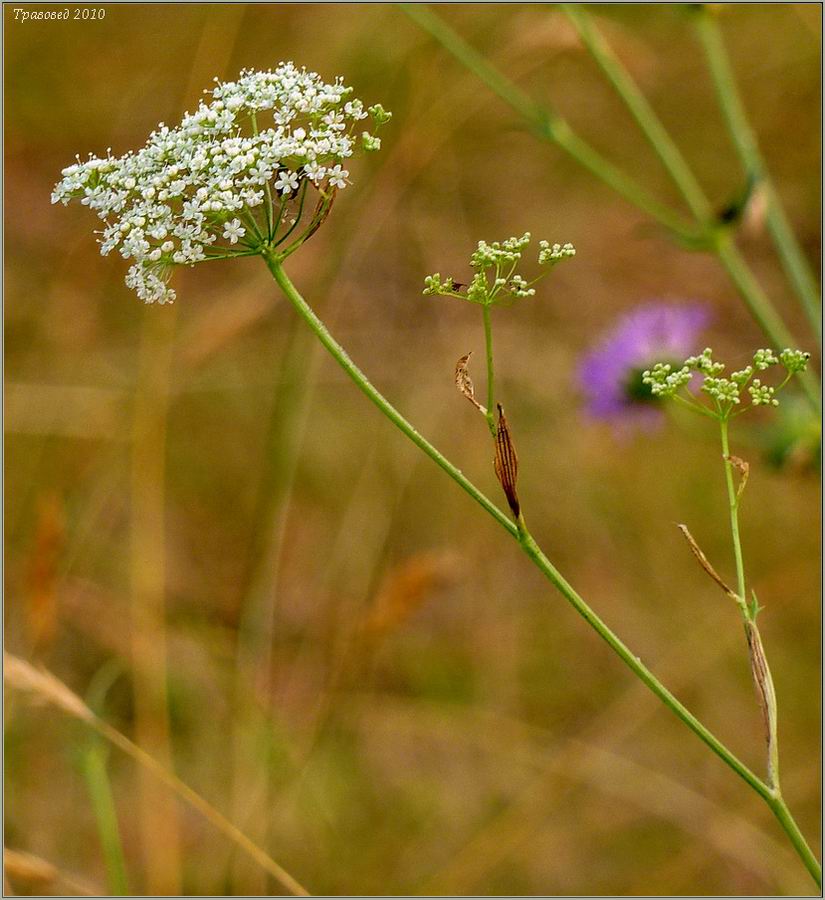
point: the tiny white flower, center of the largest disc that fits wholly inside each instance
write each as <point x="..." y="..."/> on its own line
<point x="287" y="182"/>
<point x="234" y="230"/>
<point x="338" y="176"/>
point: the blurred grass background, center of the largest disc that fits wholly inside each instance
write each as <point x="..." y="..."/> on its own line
<point x="360" y="669"/>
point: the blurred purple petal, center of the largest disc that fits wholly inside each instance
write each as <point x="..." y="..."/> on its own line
<point x="611" y="373"/>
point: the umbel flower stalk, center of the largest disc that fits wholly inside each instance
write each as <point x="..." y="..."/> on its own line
<point x="235" y="179"/>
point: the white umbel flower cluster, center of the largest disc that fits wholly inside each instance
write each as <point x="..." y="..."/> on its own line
<point x="218" y="184"/>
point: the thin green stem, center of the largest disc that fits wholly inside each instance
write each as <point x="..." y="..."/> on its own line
<point x="786" y="820"/>
<point x="762" y="310"/>
<point x="488" y="344"/>
<point x="534" y="552"/>
<point x="342" y="358"/>
<point x="642" y="112"/>
<point x="544" y="120"/>
<point x="531" y="548"/>
<point x="723" y="246"/>
<point x="549" y="125"/>
<point x="100" y="790"/>
<point x="793" y="258"/>
<point x="733" y="508"/>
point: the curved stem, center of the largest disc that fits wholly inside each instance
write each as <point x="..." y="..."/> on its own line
<point x="342" y="358"/>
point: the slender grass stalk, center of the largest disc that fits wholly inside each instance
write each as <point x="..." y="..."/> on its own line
<point x="100" y="790"/>
<point x="22" y="676"/>
<point x="157" y="815"/>
<point x="534" y="552"/>
<point x="793" y="258"/>
<point x="546" y="123"/>
<point x="667" y="151"/>
<point x="543" y="120"/>
<point x="94" y="761"/>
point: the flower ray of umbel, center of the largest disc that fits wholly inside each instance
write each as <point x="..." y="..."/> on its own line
<point x="230" y="180"/>
<point x="611" y="375"/>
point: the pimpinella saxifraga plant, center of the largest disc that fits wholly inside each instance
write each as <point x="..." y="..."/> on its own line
<point x="232" y="179"/>
<point x="495" y="281"/>
<point x="254" y="172"/>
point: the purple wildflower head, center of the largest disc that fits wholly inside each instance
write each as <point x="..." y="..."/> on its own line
<point x="611" y="374"/>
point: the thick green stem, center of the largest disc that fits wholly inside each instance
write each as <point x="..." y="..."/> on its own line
<point x="488" y="346"/>
<point x="793" y="259"/>
<point x="534" y="552"/>
<point x="733" y="511"/>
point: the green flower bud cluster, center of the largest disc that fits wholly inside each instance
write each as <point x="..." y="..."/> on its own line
<point x="725" y="393"/>
<point x="496" y="278"/>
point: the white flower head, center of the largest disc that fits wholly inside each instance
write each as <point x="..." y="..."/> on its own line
<point x="216" y="184"/>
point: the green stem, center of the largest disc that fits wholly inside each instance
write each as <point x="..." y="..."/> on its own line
<point x="544" y="121"/>
<point x="488" y="343"/>
<point x="793" y="259"/>
<point x="633" y="662"/>
<point x="762" y="310"/>
<point x="103" y="804"/>
<point x="363" y="383"/>
<point x="534" y="552"/>
<point x="759" y="663"/>
<point x="733" y="508"/>
<point x="642" y="112"/>
<point x="549" y="125"/>
<point x="789" y="826"/>
<point x="723" y="247"/>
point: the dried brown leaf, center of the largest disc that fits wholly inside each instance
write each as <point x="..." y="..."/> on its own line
<point x="465" y="384"/>
<point x="506" y="462"/>
<point x="705" y="564"/>
<point x="744" y="470"/>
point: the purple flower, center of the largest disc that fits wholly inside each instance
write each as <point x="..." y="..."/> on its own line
<point x="611" y="374"/>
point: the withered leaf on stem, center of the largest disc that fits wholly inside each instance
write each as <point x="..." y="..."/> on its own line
<point x="506" y="462"/>
<point x="744" y="470"/>
<point x="465" y="384"/>
<point x="704" y="562"/>
<point x="765" y="693"/>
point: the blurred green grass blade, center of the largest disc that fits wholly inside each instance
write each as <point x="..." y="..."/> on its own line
<point x="542" y="119"/>
<point x="96" y="775"/>
<point x="796" y="264"/>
